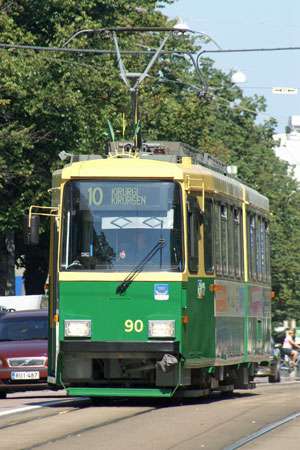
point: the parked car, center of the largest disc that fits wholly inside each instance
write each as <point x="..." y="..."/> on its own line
<point x="23" y="351"/>
<point x="271" y="369"/>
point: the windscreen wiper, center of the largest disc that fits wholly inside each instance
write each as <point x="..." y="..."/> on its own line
<point x="75" y="263"/>
<point x="139" y="267"/>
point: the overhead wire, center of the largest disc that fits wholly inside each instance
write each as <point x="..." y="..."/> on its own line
<point x="241" y="22"/>
<point x="95" y="67"/>
<point x="48" y="58"/>
<point x="216" y="101"/>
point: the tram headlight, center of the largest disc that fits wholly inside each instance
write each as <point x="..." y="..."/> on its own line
<point x="77" y="328"/>
<point x="161" y="328"/>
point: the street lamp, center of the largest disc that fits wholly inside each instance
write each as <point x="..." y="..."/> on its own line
<point x="238" y="77"/>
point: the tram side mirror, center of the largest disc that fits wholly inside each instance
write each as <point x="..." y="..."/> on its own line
<point x="200" y="215"/>
<point x="31" y="234"/>
<point x="194" y="208"/>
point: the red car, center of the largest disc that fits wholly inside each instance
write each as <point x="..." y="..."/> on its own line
<point x="23" y="351"/>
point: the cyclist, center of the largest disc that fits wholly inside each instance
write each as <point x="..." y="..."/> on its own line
<point x="289" y="345"/>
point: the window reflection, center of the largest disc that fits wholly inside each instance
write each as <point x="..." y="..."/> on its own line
<point x="112" y="226"/>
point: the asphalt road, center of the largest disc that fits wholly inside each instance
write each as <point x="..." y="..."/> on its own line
<point x="211" y="423"/>
<point x="28" y="400"/>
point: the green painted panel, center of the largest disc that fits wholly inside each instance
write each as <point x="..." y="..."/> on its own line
<point x="198" y="334"/>
<point x="119" y="317"/>
<point x="120" y="392"/>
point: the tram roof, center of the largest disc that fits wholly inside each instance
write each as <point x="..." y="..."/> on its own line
<point x="160" y="166"/>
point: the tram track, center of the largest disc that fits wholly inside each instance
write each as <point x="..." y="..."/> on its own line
<point x="59" y="420"/>
<point x="263" y="431"/>
<point x="244" y="420"/>
<point x="27" y="414"/>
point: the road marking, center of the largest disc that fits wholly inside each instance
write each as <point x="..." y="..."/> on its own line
<point x="56" y="402"/>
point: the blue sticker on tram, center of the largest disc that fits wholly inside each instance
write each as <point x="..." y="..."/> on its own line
<point x="161" y="292"/>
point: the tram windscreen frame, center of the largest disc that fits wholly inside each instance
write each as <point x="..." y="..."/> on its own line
<point x="110" y="226"/>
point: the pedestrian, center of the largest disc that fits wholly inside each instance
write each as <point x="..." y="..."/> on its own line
<point x="289" y="346"/>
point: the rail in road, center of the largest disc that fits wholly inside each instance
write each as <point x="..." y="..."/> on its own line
<point x="25" y="401"/>
<point x="246" y="420"/>
<point x="264" y="439"/>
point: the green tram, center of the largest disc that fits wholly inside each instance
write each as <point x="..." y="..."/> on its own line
<point x="159" y="275"/>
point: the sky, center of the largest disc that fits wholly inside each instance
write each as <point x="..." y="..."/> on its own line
<point x="255" y="24"/>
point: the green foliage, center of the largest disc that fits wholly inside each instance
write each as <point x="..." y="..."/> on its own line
<point x="53" y="101"/>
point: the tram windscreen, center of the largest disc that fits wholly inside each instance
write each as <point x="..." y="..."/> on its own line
<point x="113" y="225"/>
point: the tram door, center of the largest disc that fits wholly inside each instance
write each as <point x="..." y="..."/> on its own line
<point x="194" y="334"/>
<point x="53" y="298"/>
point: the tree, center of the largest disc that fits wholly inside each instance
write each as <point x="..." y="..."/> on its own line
<point x="52" y="102"/>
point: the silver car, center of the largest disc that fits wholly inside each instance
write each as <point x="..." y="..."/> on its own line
<point x="271" y="369"/>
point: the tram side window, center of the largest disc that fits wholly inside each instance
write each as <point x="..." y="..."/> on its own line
<point x="208" y="237"/>
<point x="218" y="238"/>
<point x="267" y="253"/>
<point x="68" y="251"/>
<point x="252" y="246"/>
<point x="258" y="248"/>
<point x="237" y="238"/>
<point x="224" y="238"/>
<point x="230" y="242"/>
<point x="194" y="222"/>
<point x="263" y="250"/>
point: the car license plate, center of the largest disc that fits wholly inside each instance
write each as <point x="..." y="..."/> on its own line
<point x="25" y="375"/>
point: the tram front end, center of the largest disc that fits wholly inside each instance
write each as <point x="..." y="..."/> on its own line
<point x="119" y="295"/>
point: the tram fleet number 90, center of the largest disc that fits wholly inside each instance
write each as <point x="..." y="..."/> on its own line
<point x="130" y="326"/>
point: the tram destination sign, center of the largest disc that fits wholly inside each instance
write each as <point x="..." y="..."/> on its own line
<point x="124" y="196"/>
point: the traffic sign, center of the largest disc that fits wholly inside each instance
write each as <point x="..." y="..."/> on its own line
<point x="282" y="90"/>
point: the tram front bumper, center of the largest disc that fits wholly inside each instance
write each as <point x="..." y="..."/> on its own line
<point x="128" y="347"/>
<point x="118" y="368"/>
